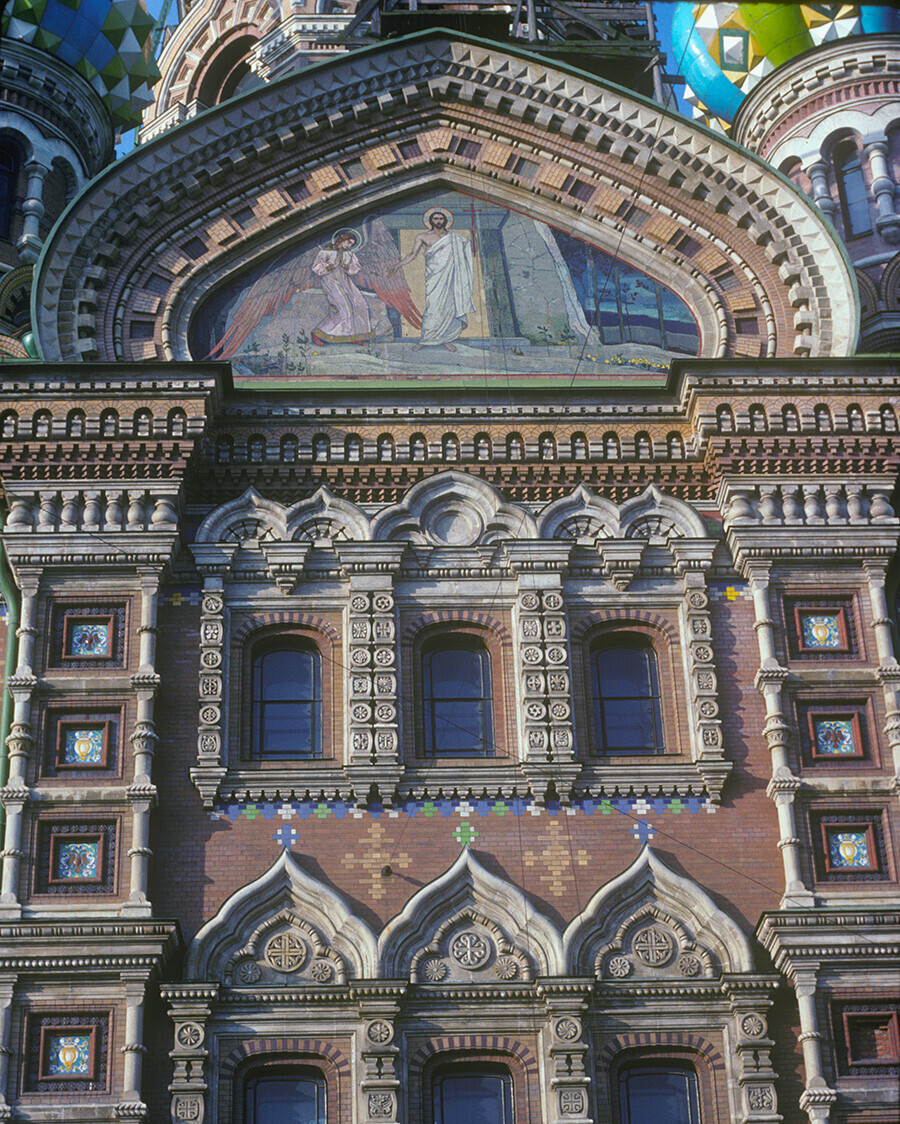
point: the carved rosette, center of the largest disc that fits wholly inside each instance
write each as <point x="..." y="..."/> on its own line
<point x="544" y="663"/>
<point x="380" y="1084"/>
<point x="753" y="1049"/>
<point x="209" y="769"/>
<point x="374" y="730"/>
<point x="566" y="1051"/>
<point x="189" y="1009"/>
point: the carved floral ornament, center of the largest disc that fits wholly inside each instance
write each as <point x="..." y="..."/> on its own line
<point x="126" y="232"/>
<point x="468" y="925"/>
<point x="450" y="509"/>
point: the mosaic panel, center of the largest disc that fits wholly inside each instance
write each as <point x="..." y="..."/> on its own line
<point x="90" y="639"/>
<point x="83" y="746"/>
<point x="835" y="737"/>
<point x="821" y="630"/>
<point x="848" y="850"/>
<point x="77" y="861"/>
<point x="69" y="1054"/>
<point x="89" y="635"/>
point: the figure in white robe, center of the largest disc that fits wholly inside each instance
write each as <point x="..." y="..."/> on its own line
<point x="348" y="321"/>
<point x="449" y="278"/>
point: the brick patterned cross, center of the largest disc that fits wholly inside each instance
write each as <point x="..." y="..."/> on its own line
<point x="642" y="831"/>
<point x="286" y="836"/>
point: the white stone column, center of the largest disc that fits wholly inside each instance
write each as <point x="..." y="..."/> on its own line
<point x="888" y="222"/>
<point x="141" y="791"/>
<point x="818" y="173"/>
<point x="888" y="667"/>
<point x="30" y="242"/>
<point x="133" y="1048"/>
<point x="19" y="743"/>
<point x="7" y="986"/>
<point x="784" y="785"/>
<point x="817" y="1098"/>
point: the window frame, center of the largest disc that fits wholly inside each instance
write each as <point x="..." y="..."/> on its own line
<point x="614" y="640"/>
<point x="846" y="160"/>
<point x="450" y="640"/>
<point x="661" y="1065"/>
<point x="462" y="1067"/>
<point x="271" y="645"/>
<point x="286" y="1070"/>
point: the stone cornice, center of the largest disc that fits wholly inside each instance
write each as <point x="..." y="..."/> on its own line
<point x="799" y="937"/>
<point x="180" y="190"/>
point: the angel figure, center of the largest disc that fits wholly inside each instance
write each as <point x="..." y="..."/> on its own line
<point x="340" y="269"/>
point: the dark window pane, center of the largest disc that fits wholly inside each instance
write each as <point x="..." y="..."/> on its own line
<point x="473" y="1098"/>
<point x="651" y="1095"/>
<point x="457" y="700"/>
<point x="287" y="702"/>
<point x="286" y="1100"/>
<point x="627" y="714"/>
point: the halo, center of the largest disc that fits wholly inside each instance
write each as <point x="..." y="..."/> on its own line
<point x="357" y="237"/>
<point x="426" y="218"/>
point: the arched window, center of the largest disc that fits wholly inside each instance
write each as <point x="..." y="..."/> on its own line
<point x="482" y="447"/>
<point x="643" y="449"/>
<point x="611" y="448"/>
<point x="790" y="419"/>
<point x="579" y="447"/>
<point x="725" y="419"/>
<point x="666" y="1092"/>
<point x="457" y="697"/>
<point x="286" y="700"/>
<point x="450" y="446"/>
<point x="466" y="1093"/>
<point x="109" y="423"/>
<point x="41" y="424"/>
<point x="75" y="423"/>
<point x="289" y="448"/>
<point x="851" y="190"/>
<point x="143" y="423"/>
<point x="547" y="447"/>
<point x="9" y="423"/>
<point x="321" y="448"/>
<point x="759" y="423"/>
<point x="418" y="448"/>
<point x="515" y="447"/>
<point x="888" y="419"/>
<point x="385" y="448"/>
<point x="9" y="175"/>
<point x="855" y="421"/>
<point x="282" y="1095"/>
<point x="177" y="423"/>
<point x="823" y="419"/>
<point x="224" y="450"/>
<point x="353" y="448"/>
<point x="627" y="715"/>
<point x="676" y="446"/>
<point x="256" y="449"/>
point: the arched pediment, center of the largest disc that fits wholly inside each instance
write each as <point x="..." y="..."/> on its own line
<point x="658" y="517"/>
<point x="327" y="517"/>
<point x="650" y="921"/>
<point x="284" y="927"/>
<point x="580" y="515"/>
<point x="584" y="161"/>
<point x="469" y="925"/>
<point x="247" y="518"/>
<point x="453" y="509"/>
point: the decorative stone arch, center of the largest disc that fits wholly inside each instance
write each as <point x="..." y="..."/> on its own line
<point x="658" y="517"/>
<point x="890" y="284"/>
<point x="467" y="885"/>
<point x="453" y="508"/>
<point x="868" y="295"/>
<point x="326" y="517"/>
<point x="681" y="184"/>
<point x="284" y="891"/>
<point x="271" y="621"/>
<point x="457" y="617"/>
<point x="580" y="515"/>
<point x="648" y="882"/>
<point x="223" y="524"/>
<point x="609" y="619"/>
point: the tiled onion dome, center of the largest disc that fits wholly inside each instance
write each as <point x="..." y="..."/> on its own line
<point x="723" y="50"/>
<point x="108" y="42"/>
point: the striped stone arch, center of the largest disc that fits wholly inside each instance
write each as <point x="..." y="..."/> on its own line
<point x="761" y="271"/>
<point x="470" y="1043"/>
<point x="458" y="616"/>
<point x="622" y="618"/>
<point x="285" y="620"/>
<point x="667" y="1039"/>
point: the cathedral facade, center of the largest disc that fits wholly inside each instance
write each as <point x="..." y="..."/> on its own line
<point x="450" y="565"/>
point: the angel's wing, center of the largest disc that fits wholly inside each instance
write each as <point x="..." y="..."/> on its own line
<point x="379" y="258"/>
<point x="290" y="274"/>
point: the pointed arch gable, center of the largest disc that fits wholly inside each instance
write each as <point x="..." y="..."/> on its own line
<point x="248" y="516"/>
<point x="683" y="204"/>
<point x="649" y="888"/>
<point x="284" y="894"/>
<point x="467" y="892"/>
<point x="326" y="516"/>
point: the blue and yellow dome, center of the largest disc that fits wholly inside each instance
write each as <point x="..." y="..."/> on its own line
<point x="108" y="42"/>
<point x="723" y="50"/>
